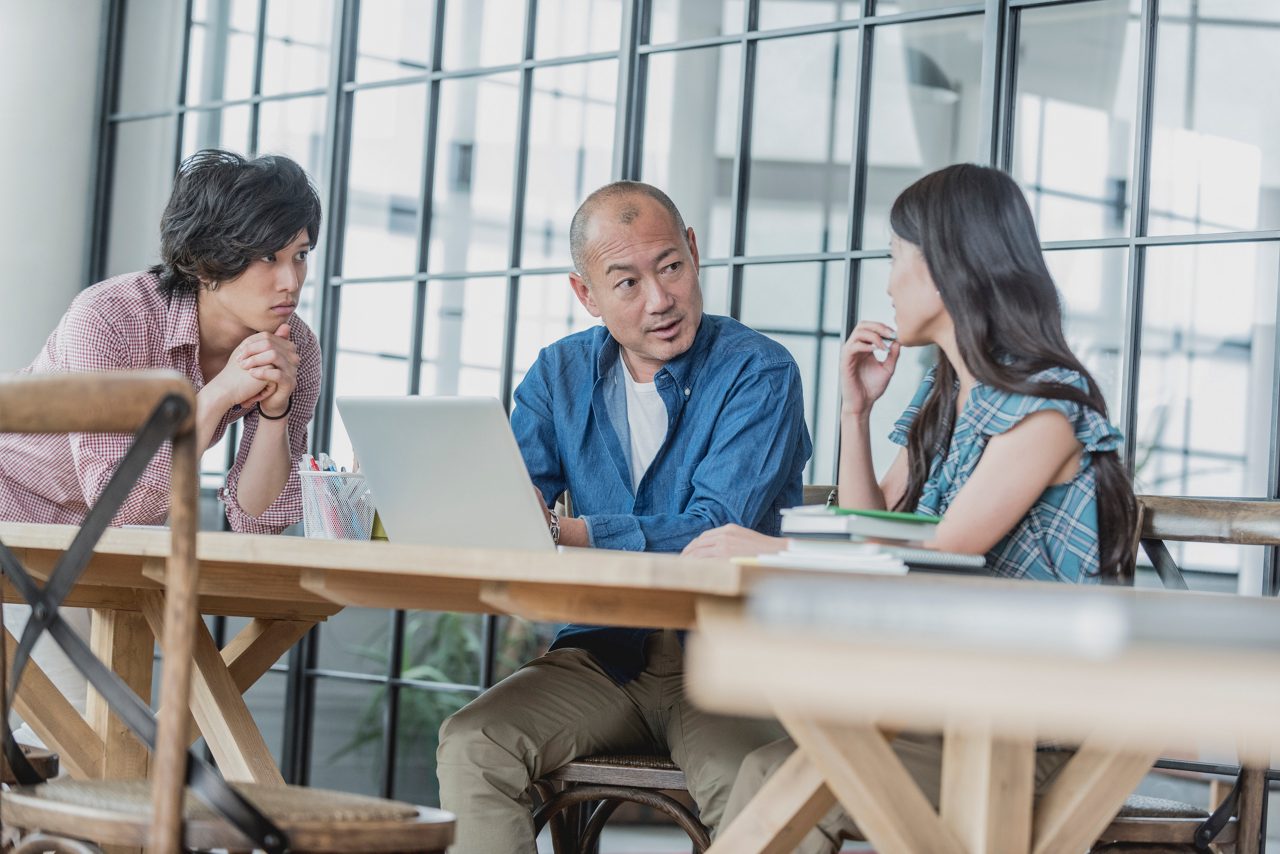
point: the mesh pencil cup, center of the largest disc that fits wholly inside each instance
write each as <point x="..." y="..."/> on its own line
<point x="336" y="505"/>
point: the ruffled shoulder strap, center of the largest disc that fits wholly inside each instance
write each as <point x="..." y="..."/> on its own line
<point x="992" y="411"/>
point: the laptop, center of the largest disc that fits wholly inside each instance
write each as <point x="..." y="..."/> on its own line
<point x="445" y="471"/>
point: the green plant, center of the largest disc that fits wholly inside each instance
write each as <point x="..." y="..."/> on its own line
<point x="438" y="647"/>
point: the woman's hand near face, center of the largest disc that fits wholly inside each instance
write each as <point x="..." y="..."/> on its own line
<point x="863" y="377"/>
<point x="271" y="361"/>
<point x="733" y="541"/>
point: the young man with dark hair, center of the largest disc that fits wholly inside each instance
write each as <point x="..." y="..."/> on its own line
<point x="218" y="309"/>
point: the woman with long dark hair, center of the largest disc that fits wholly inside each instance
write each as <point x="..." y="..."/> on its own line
<point x="1007" y="438"/>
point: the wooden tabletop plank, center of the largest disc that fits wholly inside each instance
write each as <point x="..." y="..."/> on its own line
<point x="221" y="550"/>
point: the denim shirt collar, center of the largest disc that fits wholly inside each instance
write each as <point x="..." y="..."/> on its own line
<point x="681" y="369"/>
<point x="674" y="382"/>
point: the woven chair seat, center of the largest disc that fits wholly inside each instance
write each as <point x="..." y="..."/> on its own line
<point x="612" y="779"/>
<point x="1141" y="806"/>
<point x="642" y="771"/>
<point x="657" y="763"/>
<point x="1165" y="824"/>
<point x="282" y="803"/>
<point x="314" y="819"/>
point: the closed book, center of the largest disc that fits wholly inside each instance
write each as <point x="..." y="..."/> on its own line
<point x="915" y="558"/>
<point x="863" y="558"/>
<point x="875" y="524"/>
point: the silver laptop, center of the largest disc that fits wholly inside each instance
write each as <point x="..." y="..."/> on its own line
<point x="445" y="471"/>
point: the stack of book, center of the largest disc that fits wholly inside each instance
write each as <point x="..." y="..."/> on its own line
<point x="837" y="539"/>
<point x="818" y="520"/>
<point x="846" y="556"/>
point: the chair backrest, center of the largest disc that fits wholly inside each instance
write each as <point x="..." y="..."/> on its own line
<point x="816" y="493"/>
<point x="1228" y="521"/>
<point x="125" y="402"/>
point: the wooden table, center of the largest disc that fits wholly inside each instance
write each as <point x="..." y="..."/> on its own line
<point x="842" y="684"/>
<point x="832" y="692"/>
<point x="123" y="587"/>
<point x="288" y="584"/>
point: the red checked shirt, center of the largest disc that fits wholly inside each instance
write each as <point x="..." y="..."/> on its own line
<point x="126" y="323"/>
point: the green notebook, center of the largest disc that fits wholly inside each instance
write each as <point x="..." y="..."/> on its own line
<point x="892" y="515"/>
<point x="816" y="520"/>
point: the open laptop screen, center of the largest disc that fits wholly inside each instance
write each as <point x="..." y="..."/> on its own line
<point x="445" y="471"/>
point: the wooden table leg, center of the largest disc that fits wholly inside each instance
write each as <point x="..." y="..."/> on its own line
<point x="259" y="645"/>
<point x="1086" y="795"/>
<point x="862" y="770"/>
<point x="253" y="651"/>
<point x="988" y="787"/>
<point x="1252" y="809"/>
<point x="786" y="808"/>
<point x="230" y="731"/>
<point x="122" y="641"/>
<point x="52" y="717"/>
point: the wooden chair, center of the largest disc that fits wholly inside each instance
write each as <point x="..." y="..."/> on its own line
<point x="164" y="815"/>
<point x="1145" y="822"/>
<point x="818" y="493"/>
<point x="578" y="799"/>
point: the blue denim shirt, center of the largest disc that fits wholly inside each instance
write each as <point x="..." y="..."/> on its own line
<point x="735" y="450"/>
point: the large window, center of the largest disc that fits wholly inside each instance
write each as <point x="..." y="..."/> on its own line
<point x="452" y="140"/>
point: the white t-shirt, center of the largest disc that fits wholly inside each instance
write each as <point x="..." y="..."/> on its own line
<point x="647" y="420"/>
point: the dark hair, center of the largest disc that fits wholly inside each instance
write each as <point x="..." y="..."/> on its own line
<point x="609" y="193"/>
<point x="226" y="211"/>
<point x="979" y="241"/>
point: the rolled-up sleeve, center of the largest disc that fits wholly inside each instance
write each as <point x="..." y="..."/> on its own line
<point x="286" y="510"/>
<point x="759" y="441"/>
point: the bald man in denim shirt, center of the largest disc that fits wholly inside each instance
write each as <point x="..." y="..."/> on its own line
<point x="662" y="423"/>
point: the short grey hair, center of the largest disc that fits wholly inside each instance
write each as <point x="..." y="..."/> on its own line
<point x="610" y="193"/>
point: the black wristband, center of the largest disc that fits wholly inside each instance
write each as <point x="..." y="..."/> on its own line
<point x="285" y="414"/>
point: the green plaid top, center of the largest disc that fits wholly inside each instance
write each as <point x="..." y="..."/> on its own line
<point x="1058" y="538"/>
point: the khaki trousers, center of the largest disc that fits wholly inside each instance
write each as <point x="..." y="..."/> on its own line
<point x="920" y="754"/>
<point x="563" y="706"/>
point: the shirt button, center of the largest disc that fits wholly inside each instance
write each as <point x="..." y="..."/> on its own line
<point x="686" y="391"/>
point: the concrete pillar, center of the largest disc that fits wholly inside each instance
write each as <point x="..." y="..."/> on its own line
<point x="48" y="95"/>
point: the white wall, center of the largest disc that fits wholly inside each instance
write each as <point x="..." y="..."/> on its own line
<point x="48" y="94"/>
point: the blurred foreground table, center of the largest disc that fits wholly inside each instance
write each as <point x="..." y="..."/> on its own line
<point x="995" y="666"/>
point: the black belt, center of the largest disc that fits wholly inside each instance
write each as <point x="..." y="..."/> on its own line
<point x="205" y="780"/>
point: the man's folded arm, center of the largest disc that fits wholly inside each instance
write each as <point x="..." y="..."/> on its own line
<point x="759" y="441"/>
